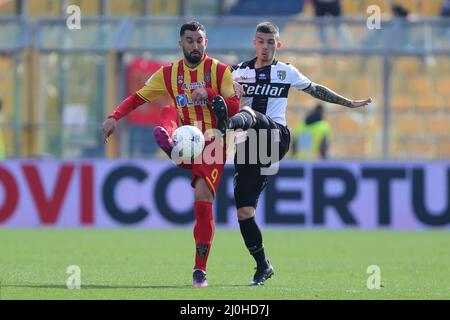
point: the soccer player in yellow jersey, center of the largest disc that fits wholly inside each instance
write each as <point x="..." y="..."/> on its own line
<point x="193" y="83"/>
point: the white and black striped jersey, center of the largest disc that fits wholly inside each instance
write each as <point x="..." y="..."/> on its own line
<point x="266" y="89"/>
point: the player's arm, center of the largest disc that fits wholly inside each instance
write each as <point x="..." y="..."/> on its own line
<point x="226" y="90"/>
<point x="153" y="89"/>
<point x="325" y="94"/>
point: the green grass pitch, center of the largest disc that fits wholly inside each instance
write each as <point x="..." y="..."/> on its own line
<point x="157" y="264"/>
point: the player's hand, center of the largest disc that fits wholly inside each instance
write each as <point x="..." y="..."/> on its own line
<point x="199" y="94"/>
<point x="108" y="128"/>
<point x="360" y="103"/>
<point x="238" y="89"/>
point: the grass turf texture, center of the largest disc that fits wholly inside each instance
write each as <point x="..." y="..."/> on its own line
<point x="157" y="264"/>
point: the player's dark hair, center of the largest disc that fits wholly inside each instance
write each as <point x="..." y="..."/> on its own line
<point x="267" y="27"/>
<point x="192" y="26"/>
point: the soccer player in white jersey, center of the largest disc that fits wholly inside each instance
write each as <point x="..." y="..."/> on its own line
<point x="265" y="83"/>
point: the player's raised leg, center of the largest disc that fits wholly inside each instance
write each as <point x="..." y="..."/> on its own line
<point x="163" y="132"/>
<point x="244" y="119"/>
<point x="163" y="140"/>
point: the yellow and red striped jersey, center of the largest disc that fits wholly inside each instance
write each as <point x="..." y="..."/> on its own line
<point x="179" y="81"/>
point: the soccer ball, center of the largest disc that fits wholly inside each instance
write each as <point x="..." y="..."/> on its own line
<point x="188" y="142"/>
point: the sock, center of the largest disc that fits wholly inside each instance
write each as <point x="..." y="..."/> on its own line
<point x="169" y="119"/>
<point x="203" y="233"/>
<point x="241" y="120"/>
<point x="253" y="240"/>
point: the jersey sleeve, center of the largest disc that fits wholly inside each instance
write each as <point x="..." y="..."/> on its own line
<point x="235" y="72"/>
<point x="226" y="88"/>
<point x="154" y="87"/>
<point x="298" y="80"/>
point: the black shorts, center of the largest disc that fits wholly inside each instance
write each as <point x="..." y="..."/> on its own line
<point x="251" y="177"/>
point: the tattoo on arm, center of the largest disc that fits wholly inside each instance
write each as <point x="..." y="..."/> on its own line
<point x="323" y="93"/>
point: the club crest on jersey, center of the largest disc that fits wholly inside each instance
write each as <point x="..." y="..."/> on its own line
<point x="207" y="76"/>
<point x="281" y="74"/>
<point x="180" y="79"/>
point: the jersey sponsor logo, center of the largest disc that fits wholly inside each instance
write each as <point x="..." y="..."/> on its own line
<point x="183" y="100"/>
<point x="262" y="76"/>
<point x="272" y="90"/>
<point x="193" y="85"/>
<point x="207" y="76"/>
<point x="243" y="78"/>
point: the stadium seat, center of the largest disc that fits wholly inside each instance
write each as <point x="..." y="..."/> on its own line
<point x="416" y="149"/>
<point x="350" y="148"/>
<point x="88" y="7"/>
<point x="408" y="65"/>
<point x="345" y="124"/>
<point x="373" y="65"/>
<point x="431" y="7"/>
<point x="125" y="8"/>
<point x="44" y="8"/>
<point x="443" y="148"/>
<point x="300" y="99"/>
<point x="293" y="120"/>
<point x="351" y="8"/>
<point x="165" y="7"/>
<point x="438" y="124"/>
<point x="384" y="5"/>
<point x="355" y="148"/>
<point x="441" y="65"/>
<point x="443" y="85"/>
<point x="428" y="102"/>
<point x="331" y="82"/>
<point x="419" y="85"/>
<point x="360" y="85"/>
<point x="408" y="124"/>
<point x="402" y="102"/>
<point x="398" y="81"/>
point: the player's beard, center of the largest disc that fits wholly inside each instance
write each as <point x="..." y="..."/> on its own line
<point x="193" y="59"/>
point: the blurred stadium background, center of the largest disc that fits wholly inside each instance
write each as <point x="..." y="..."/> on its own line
<point x="47" y="72"/>
<point x="58" y="85"/>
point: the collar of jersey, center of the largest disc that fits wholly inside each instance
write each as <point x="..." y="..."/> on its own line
<point x="192" y="69"/>
<point x="274" y="62"/>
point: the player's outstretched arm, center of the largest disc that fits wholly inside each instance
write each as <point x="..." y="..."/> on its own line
<point x="325" y="94"/>
<point x="124" y="108"/>
<point x="108" y="128"/>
